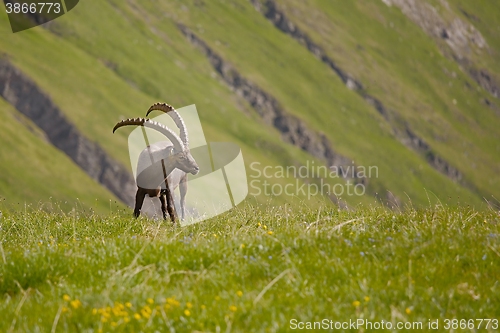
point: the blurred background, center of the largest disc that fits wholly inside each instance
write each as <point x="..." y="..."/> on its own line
<point x="409" y="87"/>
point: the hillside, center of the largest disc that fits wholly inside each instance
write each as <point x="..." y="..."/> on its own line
<point x="338" y="83"/>
<point x="32" y="169"/>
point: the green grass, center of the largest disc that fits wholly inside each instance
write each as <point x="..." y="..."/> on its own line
<point x="252" y="269"/>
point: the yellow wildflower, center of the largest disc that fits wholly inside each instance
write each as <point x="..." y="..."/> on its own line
<point x="270" y="232"/>
<point x="189" y="305"/>
<point x="203" y="307"/>
<point x="172" y="301"/>
<point x="146" y="312"/>
<point x="75" y="304"/>
<point x="239" y="293"/>
<point x="116" y="311"/>
<point x="128" y="305"/>
<point x="150" y="301"/>
<point x="367" y="298"/>
<point x="187" y="312"/>
<point x="233" y="308"/>
<point x="356" y="303"/>
<point x="408" y="310"/>
<point x="137" y="316"/>
<point x="242" y="246"/>
<point x="65" y="309"/>
<point x="66" y="298"/>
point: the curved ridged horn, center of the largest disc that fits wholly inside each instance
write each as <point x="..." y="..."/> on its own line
<point x="176" y="141"/>
<point x="169" y="109"/>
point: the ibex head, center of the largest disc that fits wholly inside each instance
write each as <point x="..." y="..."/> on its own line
<point x="184" y="159"/>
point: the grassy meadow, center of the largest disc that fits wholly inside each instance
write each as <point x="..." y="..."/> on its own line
<point x="72" y="258"/>
<point x="253" y="269"/>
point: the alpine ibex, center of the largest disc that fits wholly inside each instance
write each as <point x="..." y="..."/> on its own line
<point x="163" y="163"/>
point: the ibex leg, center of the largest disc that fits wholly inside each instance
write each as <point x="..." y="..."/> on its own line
<point x="139" y="199"/>
<point x="167" y="205"/>
<point x="183" y="187"/>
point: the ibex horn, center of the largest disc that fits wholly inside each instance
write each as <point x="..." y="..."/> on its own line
<point x="174" y="138"/>
<point x="169" y="109"/>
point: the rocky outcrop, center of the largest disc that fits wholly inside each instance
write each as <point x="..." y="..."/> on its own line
<point x="292" y="129"/>
<point x="406" y="136"/>
<point x="461" y="37"/>
<point x="486" y="81"/>
<point x="20" y="91"/>
<point x="411" y="140"/>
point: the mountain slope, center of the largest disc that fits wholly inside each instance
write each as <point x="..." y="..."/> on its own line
<point x="435" y="94"/>
<point x="31" y="169"/>
<point x="434" y="138"/>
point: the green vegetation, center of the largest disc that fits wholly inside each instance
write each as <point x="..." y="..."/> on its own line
<point x="397" y="60"/>
<point x="104" y="61"/>
<point x="73" y="259"/>
<point x="253" y="269"/>
<point x="94" y="97"/>
<point x="31" y="169"/>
